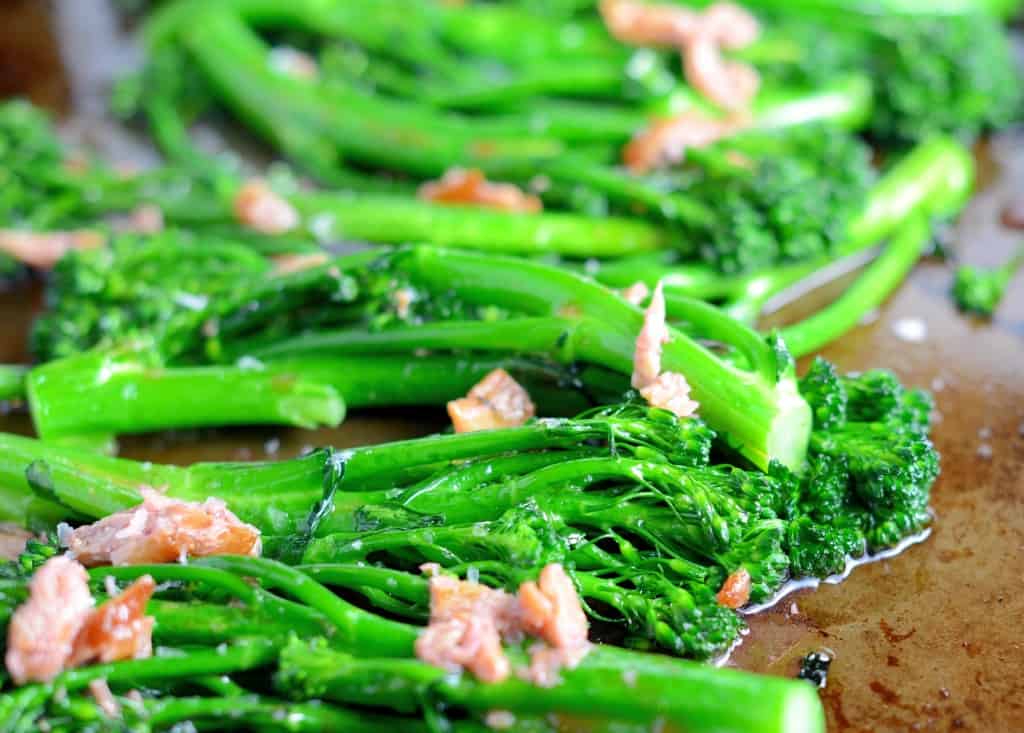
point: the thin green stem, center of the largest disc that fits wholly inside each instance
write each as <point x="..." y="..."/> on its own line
<point x="391" y="220"/>
<point x="633" y="687"/>
<point x="869" y="291"/>
<point x="356" y="630"/>
<point x="128" y="390"/>
<point x="12" y="381"/>
<point x="260" y="713"/>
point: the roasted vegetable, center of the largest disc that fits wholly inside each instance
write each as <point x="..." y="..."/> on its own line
<point x="214" y="678"/>
<point x="934" y="69"/>
<point x="979" y="289"/>
<point x="624" y="495"/>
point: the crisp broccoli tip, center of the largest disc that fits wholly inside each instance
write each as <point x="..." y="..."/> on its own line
<point x="980" y="289"/>
<point x="822" y="389"/>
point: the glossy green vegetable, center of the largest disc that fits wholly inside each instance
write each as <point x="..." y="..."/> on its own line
<point x="359" y="647"/>
<point x="979" y="290"/>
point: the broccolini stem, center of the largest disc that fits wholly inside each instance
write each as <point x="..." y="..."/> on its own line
<point x="933" y="180"/>
<point x="208" y="577"/>
<point x="12" y="381"/>
<point x="18" y="505"/>
<point x="306" y="388"/>
<point x="389" y="590"/>
<point x="83" y="482"/>
<point x="766" y="419"/>
<point x="194" y="622"/>
<point x="633" y="687"/>
<point x="362" y="633"/>
<point x="235" y="60"/>
<point x="19" y="710"/>
<point x="79" y="482"/>
<point x="259" y="713"/>
<point x="845" y="101"/>
<point x="596" y="79"/>
<point x="128" y="390"/>
<point x="221" y="685"/>
<point x="869" y="291"/>
<point x="405" y="219"/>
<point x="835" y="8"/>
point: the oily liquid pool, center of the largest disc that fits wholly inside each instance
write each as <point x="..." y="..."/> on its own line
<point x="792" y="586"/>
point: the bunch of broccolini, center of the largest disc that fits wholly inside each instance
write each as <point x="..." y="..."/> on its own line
<point x="254" y="643"/>
<point x="625" y="496"/>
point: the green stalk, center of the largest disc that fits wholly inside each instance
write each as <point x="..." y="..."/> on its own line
<point x="209" y="578"/>
<point x="278" y="496"/>
<point x="19" y="709"/>
<point x="12" y="381"/>
<point x="101" y="393"/>
<point x="787" y="282"/>
<point x="352" y="628"/>
<point x="395" y="592"/>
<point x="844" y="101"/>
<point x="129" y="390"/>
<point x="595" y="79"/>
<point x="588" y="339"/>
<point x="20" y="506"/>
<point x="506" y="32"/>
<point x="869" y="291"/>
<point x="235" y="61"/>
<point x="694" y="697"/>
<point x="221" y="685"/>
<point x="258" y="713"/>
<point x="375" y="32"/>
<point x="275" y="496"/>
<point x="210" y="624"/>
<point x="933" y="180"/>
<point x="398" y="219"/>
<point x="579" y="121"/>
<point x="356" y="630"/>
<point x="766" y="418"/>
<point x="196" y="622"/>
<point x="627" y="189"/>
<point x="80" y="481"/>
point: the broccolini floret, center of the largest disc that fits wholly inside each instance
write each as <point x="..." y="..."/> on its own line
<point x="871" y="468"/>
<point x="624" y="495"/>
<point x="931" y="71"/>
<point x="980" y="289"/>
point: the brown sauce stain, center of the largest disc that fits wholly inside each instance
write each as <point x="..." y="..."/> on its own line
<point x="832" y="698"/>
<point x="891" y="636"/>
<point x="888" y="696"/>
